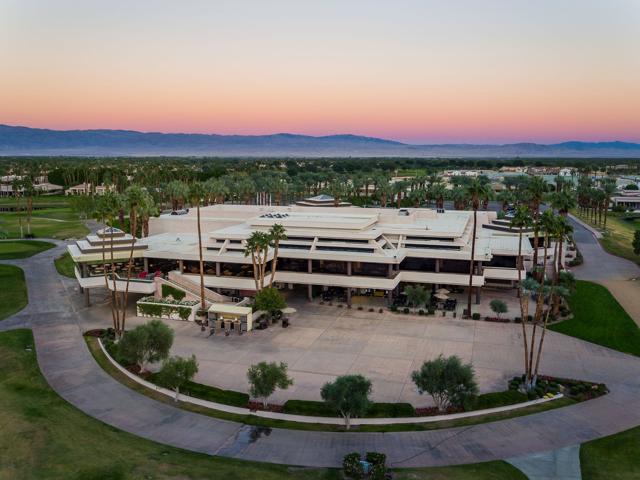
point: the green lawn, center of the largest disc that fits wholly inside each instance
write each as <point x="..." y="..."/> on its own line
<point x="65" y="265"/>
<point x="40" y="200"/>
<point x="616" y="456"/>
<point x="13" y="291"/>
<point x="599" y="318"/>
<point x="55" y="222"/>
<point x="22" y="248"/>
<point x="45" y="437"/>
<point x="619" y="234"/>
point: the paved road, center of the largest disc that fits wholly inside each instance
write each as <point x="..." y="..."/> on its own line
<point x="620" y="276"/>
<point x="54" y="315"/>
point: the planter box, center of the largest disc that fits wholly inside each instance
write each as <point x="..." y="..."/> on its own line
<point x="163" y="310"/>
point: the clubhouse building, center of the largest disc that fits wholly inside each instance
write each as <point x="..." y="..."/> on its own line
<point x="358" y="251"/>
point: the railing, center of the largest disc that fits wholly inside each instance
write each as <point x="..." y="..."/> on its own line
<point x="178" y="280"/>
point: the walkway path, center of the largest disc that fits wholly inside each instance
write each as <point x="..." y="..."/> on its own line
<point x="71" y="371"/>
<point x="619" y="275"/>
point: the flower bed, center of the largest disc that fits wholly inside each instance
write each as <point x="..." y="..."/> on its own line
<point x="167" y="308"/>
<point x="576" y="389"/>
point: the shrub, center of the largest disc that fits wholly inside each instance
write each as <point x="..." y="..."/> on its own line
<point x="360" y="307"/>
<point x="380" y="310"/>
<point x="476" y="316"/>
<point x="351" y="466"/>
<point x="378" y="472"/>
<point x="421" y="312"/>
<point x="447" y="380"/>
<point x="405" y="310"/>
<point x="168" y="290"/>
<point x="269" y="300"/>
<point x="498" y="307"/>
<point x="376" y="458"/>
<point x="431" y="311"/>
<point x="371" y="310"/>
<point x="393" y="308"/>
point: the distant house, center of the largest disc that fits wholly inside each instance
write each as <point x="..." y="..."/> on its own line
<point x="87" y="188"/>
<point x="629" y="199"/>
<point x="566" y="172"/>
<point x="40" y="183"/>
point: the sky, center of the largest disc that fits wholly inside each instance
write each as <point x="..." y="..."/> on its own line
<point x="418" y="71"/>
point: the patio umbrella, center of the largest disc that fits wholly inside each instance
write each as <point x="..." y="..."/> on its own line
<point x="443" y="291"/>
<point x="441" y="296"/>
<point x="289" y="310"/>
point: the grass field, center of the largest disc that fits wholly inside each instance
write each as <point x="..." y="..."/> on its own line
<point x="22" y="249"/>
<point x="58" y="222"/>
<point x="614" y="457"/>
<point x="619" y="234"/>
<point x="13" y="294"/>
<point x="46" y="200"/>
<point x="599" y="318"/>
<point x="45" y="437"/>
<point x="65" y="266"/>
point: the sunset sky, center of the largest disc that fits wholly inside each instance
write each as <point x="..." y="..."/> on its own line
<point x="418" y="71"/>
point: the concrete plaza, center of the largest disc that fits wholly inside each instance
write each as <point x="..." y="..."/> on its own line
<point x="326" y="341"/>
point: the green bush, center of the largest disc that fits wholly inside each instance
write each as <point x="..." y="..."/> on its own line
<point x="352" y="466"/>
<point x="212" y="394"/>
<point x="498" y="399"/>
<point x="476" y="316"/>
<point x="376" y="458"/>
<point x="378" y="472"/>
<point x="321" y="409"/>
<point x="174" y="292"/>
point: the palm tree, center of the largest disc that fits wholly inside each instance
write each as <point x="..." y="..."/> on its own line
<point x="609" y="188"/>
<point x="110" y="207"/>
<point x="416" y="295"/>
<point x="29" y="191"/>
<point x="506" y="197"/>
<point x="460" y="197"/>
<point x="276" y="234"/>
<point x="178" y="191"/>
<point x="555" y="293"/>
<point x="536" y="188"/>
<point x="438" y="191"/>
<point x="134" y="195"/>
<point x="477" y="191"/>
<point x="102" y="212"/>
<point x="16" y="186"/>
<point x="146" y="210"/>
<point x="562" y="201"/>
<point x="196" y="192"/>
<point x="257" y="245"/>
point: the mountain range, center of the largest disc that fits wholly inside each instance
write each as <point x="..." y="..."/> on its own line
<point x="17" y="140"/>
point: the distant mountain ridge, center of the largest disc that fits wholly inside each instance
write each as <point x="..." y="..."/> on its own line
<point x="18" y="140"/>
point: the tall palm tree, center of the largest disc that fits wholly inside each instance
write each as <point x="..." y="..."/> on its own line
<point x="134" y="195"/>
<point x="522" y="220"/>
<point x="111" y="203"/>
<point x="562" y="201"/>
<point x="609" y="188"/>
<point x="196" y="192"/>
<point x="257" y="245"/>
<point x="276" y="233"/>
<point x="477" y="191"/>
<point x="555" y="293"/>
<point x="536" y="188"/>
<point x="506" y="197"/>
<point x="178" y="192"/>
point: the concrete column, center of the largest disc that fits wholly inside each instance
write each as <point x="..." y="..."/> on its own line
<point x="309" y="266"/>
<point x="349" y="269"/>
<point x="310" y="292"/>
<point x="217" y="269"/>
<point x="181" y="266"/>
<point x="87" y="300"/>
<point x="85" y="272"/>
<point x="437" y="265"/>
<point x="390" y="271"/>
<point x="146" y="264"/>
<point x="478" y="295"/>
<point x="349" y="295"/>
<point x="389" y="297"/>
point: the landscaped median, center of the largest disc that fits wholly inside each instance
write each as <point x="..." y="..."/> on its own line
<point x="309" y="415"/>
